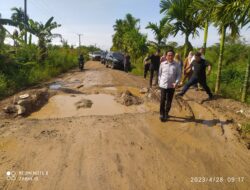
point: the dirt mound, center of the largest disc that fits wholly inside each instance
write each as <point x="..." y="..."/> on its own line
<point x="127" y="98"/>
<point x="27" y="103"/>
<point x="83" y="103"/>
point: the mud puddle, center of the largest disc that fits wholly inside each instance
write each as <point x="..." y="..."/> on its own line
<point x="61" y="106"/>
<point x="57" y="85"/>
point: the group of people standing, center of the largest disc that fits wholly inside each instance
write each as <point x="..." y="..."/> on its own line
<point x="170" y="72"/>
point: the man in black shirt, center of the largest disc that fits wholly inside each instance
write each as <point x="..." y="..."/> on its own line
<point x="199" y="75"/>
<point x="154" y="67"/>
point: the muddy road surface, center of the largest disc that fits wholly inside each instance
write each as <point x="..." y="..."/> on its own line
<point x="83" y="139"/>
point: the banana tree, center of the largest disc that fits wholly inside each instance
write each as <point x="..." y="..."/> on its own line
<point x="44" y="35"/>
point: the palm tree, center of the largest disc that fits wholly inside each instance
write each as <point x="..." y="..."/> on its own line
<point x="246" y="81"/>
<point x="117" y="37"/>
<point x="122" y="27"/>
<point x="203" y="8"/>
<point x="19" y="18"/>
<point x="3" y="30"/>
<point x="161" y="32"/>
<point x="44" y="34"/>
<point x="130" y="22"/>
<point x="181" y="19"/>
<point x="227" y="15"/>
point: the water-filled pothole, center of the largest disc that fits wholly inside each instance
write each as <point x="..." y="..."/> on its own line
<point x="61" y="106"/>
<point x="55" y="86"/>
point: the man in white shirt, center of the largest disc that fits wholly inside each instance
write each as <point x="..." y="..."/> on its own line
<point x="169" y="77"/>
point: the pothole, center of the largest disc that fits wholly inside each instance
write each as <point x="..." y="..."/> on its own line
<point x="55" y="86"/>
<point x="60" y="106"/>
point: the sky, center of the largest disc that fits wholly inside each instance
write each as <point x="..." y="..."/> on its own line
<point x="94" y="19"/>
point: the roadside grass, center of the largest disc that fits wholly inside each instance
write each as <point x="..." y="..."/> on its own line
<point x="246" y="128"/>
<point x="17" y="74"/>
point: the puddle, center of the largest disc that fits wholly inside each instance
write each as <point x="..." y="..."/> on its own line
<point x="55" y="86"/>
<point x="61" y="106"/>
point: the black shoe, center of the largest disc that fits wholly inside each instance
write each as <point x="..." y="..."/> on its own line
<point x="166" y="118"/>
<point x="210" y="98"/>
<point x="163" y="118"/>
<point x="179" y="94"/>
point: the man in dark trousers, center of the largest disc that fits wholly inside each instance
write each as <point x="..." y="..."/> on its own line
<point x="81" y="61"/>
<point x="126" y="62"/>
<point x="154" y="67"/>
<point x="199" y="75"/>
<point x="169" y="77"/>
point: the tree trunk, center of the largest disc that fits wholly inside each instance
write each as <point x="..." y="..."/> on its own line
<point x="30" y="39"/>
<point x="205" y="36"/>
<point x="186" y="46"/>
<point x="246" y="81"/>
<point x="222" y="43"/>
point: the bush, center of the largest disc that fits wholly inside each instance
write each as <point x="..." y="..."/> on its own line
<point x="20" y="72"/>
<point x="3" y="85"/>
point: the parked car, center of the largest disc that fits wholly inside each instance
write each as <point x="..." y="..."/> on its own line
<point x="95" y="56"/>
<point x="114" y="60"/>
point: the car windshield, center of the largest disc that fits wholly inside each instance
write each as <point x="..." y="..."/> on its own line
<point x="118" y="56"/>
<point x="97" y="52"/>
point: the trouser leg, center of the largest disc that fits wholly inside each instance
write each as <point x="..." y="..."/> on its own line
<point x="163" y="103"/>
<point x="170" y="95"/>
<point x="151" y="77"/>
<point x="156" y="77"/>
<point x="204" y="85"/>
<point x="146" y="68"/>
<point x="191" y="82"/>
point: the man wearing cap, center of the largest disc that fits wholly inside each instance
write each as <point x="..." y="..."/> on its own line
<point x="199" y="75"/>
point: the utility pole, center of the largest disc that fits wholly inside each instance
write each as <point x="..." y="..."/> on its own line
<point x="79" y="35"/>
<point x="25" y="19"/>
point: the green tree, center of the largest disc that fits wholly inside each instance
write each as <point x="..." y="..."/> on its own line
<point x="161" y="32"/>
<point x="44" y="34"/>
<point x="19" y="18"/>
<point x="227" y="15"/>
<point x="119" y="29"/>
<point x="127" y="37"/>
<point x="204" y="8"/>
<point x="3" y="30"/>
<point x="178" y="14"/>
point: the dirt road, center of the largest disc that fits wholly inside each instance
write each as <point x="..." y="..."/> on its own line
<point x="111" y="146"/>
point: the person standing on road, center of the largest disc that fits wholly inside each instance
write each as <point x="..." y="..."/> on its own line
<point x="169" y="77"/>
<point x="177" y="59"/>
<point x="198" y="76"/>
<point x="163" y="58"/>
<point x="81" y="61"/>
<point x="126" y="62"/>
<point x="154" y="67"/>
<point x="146" y="66"/>
<point x="187" y="73"/>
